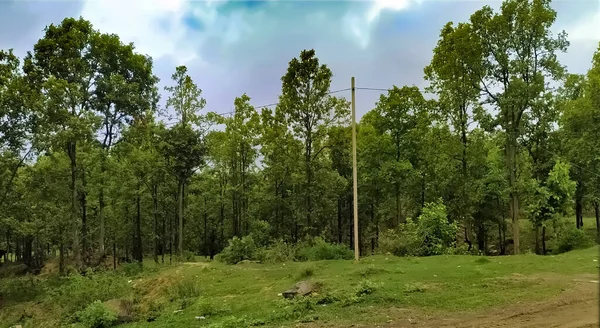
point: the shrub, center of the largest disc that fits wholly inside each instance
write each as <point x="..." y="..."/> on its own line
<point x="260" y="232"/>
<point x="400" y="242"/>
<point x="318" y="249"/>
<point x="435" y="233"/>
<point x="279" y="252"/>
<point x="238" y="250"/>
<point x="569" y="238"/>
<point x="96" y="315"/>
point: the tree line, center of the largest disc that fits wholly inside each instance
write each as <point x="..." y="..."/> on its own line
<point x="89" y="167"/>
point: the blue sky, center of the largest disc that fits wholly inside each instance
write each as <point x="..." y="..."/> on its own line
<point x="236" y="47"/>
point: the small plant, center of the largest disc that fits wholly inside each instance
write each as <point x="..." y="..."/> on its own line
<point x="239" y="249"/>
<point x="185" y="289"/>
<point x="318" y="250"/>
<point x="482" y="260"/>
<point x="414" y="288"/>
<point x="371" y="271"/>
<point x="96" y="315"/>
<point x="365" y="287"/>
<point x="306" y="272"/>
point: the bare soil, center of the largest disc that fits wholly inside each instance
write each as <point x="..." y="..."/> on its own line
<point x="574" y="308"/>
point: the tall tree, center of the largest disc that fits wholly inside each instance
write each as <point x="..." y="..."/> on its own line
<point x="184" y="144"/>
<point x="125" y="87"/>
<point x="62" y="68"/>
<point x="517" y="58"/>
<point x="310" y="110"/>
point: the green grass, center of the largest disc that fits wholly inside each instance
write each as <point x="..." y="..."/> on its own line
<point x="247" y="294"/>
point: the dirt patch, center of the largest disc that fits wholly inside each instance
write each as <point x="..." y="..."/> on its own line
<point x="574" y="308"/>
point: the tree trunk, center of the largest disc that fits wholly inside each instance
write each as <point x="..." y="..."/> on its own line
<point x="579" y="210"/>
<point x="537" y="240"/>
<point x="138" y="254"/>
<point x="72" y="152"/>
<point x="339" y="219"/>
<point x="514" y="197"/>
<point x="597" y="212"/>
<point x="155" y="225"/>
<point x="84" y="244"/>
<point x="544" y="240"/>
<point x="180" y="217"/>
<point x="101" y="206"/>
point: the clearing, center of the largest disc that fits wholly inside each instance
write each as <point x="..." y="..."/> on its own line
<point x="380" y="291"/>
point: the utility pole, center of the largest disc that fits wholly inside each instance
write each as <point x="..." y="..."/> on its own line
<point x="354" y="173"/>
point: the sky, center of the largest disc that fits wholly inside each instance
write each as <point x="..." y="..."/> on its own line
<point x="235" y="47"/>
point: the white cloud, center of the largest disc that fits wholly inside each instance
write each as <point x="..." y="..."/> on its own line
<point x="361" y="24"/>
<point x="586" y="29"/>
<point x="153" y="25"/>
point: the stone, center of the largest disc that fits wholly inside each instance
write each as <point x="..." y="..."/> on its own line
<point x="301" y="288"/>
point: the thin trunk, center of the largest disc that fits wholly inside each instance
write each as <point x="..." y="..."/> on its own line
<point x="205" y="215"/>
<point x="309" y="182"/>
<point x="597" y="212"/>
<point x="138" y="252"/>
<point x="101" y="206"/>
<point x="537" y="240"/>
<point x="339" y="219"/>
<point x="72" y="152"/>
<point x="61" y="256"/>
<point x="579" y="210"/>
<point x="114" y="255"/>
<point x="84" y="245"/>
<point x="514" y="197"/>
<point x="180" y="217"/>
<point x="155" y="219"/>
<point x="544" y="240"/>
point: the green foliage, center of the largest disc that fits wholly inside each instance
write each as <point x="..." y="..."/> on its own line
<point x="279" y="252"/>
<point x="436" y="234"/>
<point x="317" y="250"/>
<point x="96" y="315"/>
<point x="239" y="249"/>
<point x="567" y="238"/>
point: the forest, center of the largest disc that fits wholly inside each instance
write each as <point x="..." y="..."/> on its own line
<point x="498" y="155"/>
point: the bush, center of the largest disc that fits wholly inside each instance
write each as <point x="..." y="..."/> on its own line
<point x="239" y="250"/>
<point x="97" y="315"/>
<point x="260" y="232"/>
<point x="400" y="242"/>
<point x="436" y="234"/>
<point x="569" y="238"/>
<point x="279" y="252"/>
<point x="317" y="250"/>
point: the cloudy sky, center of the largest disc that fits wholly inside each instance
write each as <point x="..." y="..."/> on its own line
<point x="235" y="47"/>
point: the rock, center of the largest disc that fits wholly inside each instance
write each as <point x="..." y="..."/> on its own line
<point x="302" y="288"/>
<point x="123" y="309"/>
<point x="200" y="317"/>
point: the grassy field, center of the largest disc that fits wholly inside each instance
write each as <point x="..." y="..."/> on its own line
<point x="216" y="295"/>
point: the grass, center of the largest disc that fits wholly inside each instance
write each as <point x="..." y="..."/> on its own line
<point x="216" y="295"/>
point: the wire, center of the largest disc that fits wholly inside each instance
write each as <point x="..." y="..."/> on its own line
<point x="263" y="106"/>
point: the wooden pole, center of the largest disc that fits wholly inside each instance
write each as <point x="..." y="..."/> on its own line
<point x="354" y="173"/>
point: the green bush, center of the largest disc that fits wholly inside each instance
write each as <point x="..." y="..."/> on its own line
<point x="260" y="232"/>
<point x="402" y="241"/>
<point x="96" y="315"/>
<point x="317" y="250"/>
<point x="436" y="235"/>
<point x="279" y="252"/>
<point x="239" y="250"/>
<point x="569" y="238"/>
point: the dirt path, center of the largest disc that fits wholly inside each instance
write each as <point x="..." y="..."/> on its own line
<point x="576" y="308"/>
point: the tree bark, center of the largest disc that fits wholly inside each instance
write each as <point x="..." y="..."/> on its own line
<point x="579" y="210"/>
<point x="155" y="219"/>
<point x="597" y="212"/>
<point x="138" y="252"/>
<point x="72" y="152"/>
<point x="514" y="197"/>
<point x="180" y="217"/>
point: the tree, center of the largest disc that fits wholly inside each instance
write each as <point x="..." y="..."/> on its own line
<point x="125" y="88"/>
<point x="310" y="110"/>
<point x="184" y="146"/>
<point x="517" y="57"/>
<point x="61" y="68"/>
